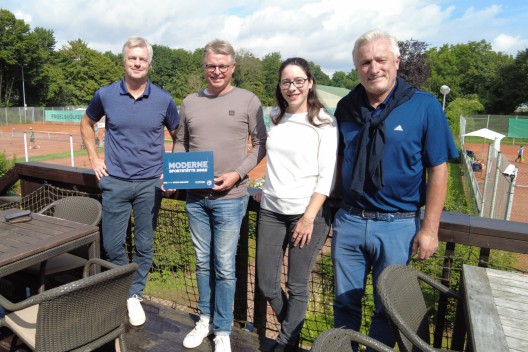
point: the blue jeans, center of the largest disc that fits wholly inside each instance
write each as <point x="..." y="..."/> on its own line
<point x="215" y="228"/>
<point x="274" y="236"/>
<point x="359" y="246"/>
<point x="120" y="197"/>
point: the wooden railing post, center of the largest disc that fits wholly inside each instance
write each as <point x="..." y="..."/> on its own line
<point x="442" y="300"/>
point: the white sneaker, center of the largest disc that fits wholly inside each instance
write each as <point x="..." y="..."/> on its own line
<point x="136" y="314"/>
<point x="202" y="329"/>
<point x="222" y="343"/>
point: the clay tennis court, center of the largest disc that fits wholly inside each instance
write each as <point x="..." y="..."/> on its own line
<point x="520" y="201"/>
<point x="58" y="142"/>
<point x="12" y="143"/>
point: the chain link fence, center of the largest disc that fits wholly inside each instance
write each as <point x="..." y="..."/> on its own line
<point x="29" y="114"/>
<point x="494" y="188"/>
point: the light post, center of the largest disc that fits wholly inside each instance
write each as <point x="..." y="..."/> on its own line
<point x="23" y="87"/>
<point x="445" y="91"/>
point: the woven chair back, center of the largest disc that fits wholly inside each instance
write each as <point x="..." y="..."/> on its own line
<point x="85" y="313"/>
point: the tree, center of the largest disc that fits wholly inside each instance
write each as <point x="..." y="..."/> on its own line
<point x="320" y="77"/>
<point x="270" y="65"/>
<point x="343" y="80"/>
<point x="466" y="106"/>
<point x="414" y="67"/>
<point x="13" y="54"/>
<point x="471" y="68"/>
<point x="339" y="79"/>
<point x="41" y="58"/>
<point x="176" y="70"/>
<point x="510" y="89"/>
<point x="249" y="73"/>
<point x="82" y="72"/>
<point x="163" y="66"/>
<point x="70" y="75"/>
<point x="352" y="79"/>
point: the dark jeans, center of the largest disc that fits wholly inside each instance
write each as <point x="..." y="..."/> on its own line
<point x="274" y="236"/>
<point x="215" y="229"/>
<point x="361" y="246"/>
<point x="120" y="197"/>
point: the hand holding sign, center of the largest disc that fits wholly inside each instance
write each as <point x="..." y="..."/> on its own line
<point x="188" y="170"/>
<point x="226" y="181"/>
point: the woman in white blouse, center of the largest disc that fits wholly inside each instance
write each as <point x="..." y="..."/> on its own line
<point x="300" y="170"/>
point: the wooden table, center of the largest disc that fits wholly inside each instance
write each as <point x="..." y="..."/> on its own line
<point x="496" y="309"/>
<point x="43" y="237"/>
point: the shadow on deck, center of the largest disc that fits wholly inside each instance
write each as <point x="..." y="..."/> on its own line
<point x="164" y="331"/>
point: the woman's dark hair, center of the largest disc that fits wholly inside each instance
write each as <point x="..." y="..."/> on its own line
<point x="314" y="104"/>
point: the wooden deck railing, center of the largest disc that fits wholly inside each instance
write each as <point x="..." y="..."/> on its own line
<point x="455" y="229"/>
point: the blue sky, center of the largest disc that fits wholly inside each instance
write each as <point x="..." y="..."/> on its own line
<point x="322" y="31"/>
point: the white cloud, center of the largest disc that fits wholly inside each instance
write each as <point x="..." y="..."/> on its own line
<point x="508" y="44"/>
<point x="322" y="31"/>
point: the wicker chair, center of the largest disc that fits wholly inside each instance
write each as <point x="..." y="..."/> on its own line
<point x="341" y="340"/>
<point x="78" y="316"/>
<point x="75" y="208"/>
<point x="401" y="294"/>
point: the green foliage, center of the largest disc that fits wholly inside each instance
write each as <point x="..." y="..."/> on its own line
<point x="510" y="88"/>
<point x="5" y="165"/>
<point x="466" y="106"/>
<point x="414" y="67"/>
<point x="252" y="225"/>
<point x="320" y="76"/>
<point x="343" y="80"/>
<point x="249" y="73"/>
<point x="166" y="284"/>
<point x="53" y="156"/>
<point x="314" y="324"/>
<point x="85" y="70"/>
<point x="14" y="52"/>
<point x="172" y="241"/>
<point x="326" y="268"/>
<point x="456" y="199"/>
<point x="177" y="71"/>
<point x="270" y="64"/>
<point x="70" y="75"/>
<point x="468" y="69"/>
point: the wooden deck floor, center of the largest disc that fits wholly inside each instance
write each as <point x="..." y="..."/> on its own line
<point x="164" y="331"/>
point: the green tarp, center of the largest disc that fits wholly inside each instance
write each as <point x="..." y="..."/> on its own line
<point x="517" y="128"/>
<point x="63" y="115"/>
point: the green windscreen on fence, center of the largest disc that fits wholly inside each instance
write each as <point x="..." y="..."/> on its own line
<point x="63" y="115"/>
<point x="518" y="128"/>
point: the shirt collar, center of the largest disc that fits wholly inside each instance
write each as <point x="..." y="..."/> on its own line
<point x="124" y="90"/>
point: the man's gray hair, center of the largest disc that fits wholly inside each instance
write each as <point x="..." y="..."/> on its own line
<point x="373" y="35"/>
<point x="218" y="46"/>
<point x="138" y="42"/>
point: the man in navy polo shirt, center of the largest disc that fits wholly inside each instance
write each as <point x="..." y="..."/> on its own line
<point x="392" y="135"/>
<point x="136" y="114"/>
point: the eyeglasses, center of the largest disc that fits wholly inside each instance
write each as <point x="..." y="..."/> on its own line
<point x="221" y="68"/>
<point x="297" y="82"/>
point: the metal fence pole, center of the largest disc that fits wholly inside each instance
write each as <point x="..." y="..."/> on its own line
<point x="71" y="151"/>
<point x="25" y="146"/>
<point x="498" y="174"/>
<point x="486" y="177"/>
<point x="511" y="191"/>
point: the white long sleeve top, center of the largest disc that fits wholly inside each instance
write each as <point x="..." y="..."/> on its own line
<point x="301" y="160"/>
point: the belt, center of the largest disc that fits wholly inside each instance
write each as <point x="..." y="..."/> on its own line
<point x="376" y="215"/>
